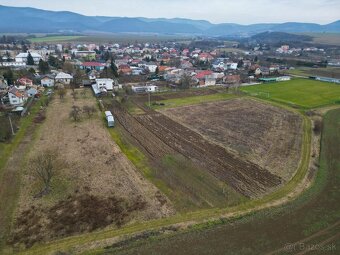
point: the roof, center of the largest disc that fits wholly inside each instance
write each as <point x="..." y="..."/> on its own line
<point x="15" y="92"/>
<point x="202" y="74"/>
<point x="24" y="80"/>
<point x="25" y="55"/>
<point x="63" y="75"/>
<point x="92" y="64"/>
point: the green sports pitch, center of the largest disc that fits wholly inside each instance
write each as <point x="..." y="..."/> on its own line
<point x="304" y="93"/>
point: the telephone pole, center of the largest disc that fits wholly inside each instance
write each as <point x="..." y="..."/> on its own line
<point x="10" y="122"/>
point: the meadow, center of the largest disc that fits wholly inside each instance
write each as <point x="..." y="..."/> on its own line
<point x="49" y="39"/>
<point x="301" y="93"/>
<point x="184" y="101"/>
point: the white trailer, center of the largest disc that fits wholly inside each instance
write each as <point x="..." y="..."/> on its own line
<point x="110" y="119"/>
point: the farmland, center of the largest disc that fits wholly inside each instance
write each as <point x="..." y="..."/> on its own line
<point x="95" y="180"/>
<point x="49" y="39"/>
<point x="312" y="220"/>
<point x="201" y="178"/>
<point x="301" y="93"/>
<point x="261" y="133"/>
<point x="333" y="72"/>
<point x="105" y="37"/>
<point x="189" y="186"/>
<point x="325" y="38"/>
<point x="179" y="102"/>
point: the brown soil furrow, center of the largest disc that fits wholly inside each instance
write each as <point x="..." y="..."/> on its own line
<point x="245" y="177"/>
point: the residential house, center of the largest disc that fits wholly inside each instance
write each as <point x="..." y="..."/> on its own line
<point x="232" y="79"/>
<point x="92" y="66"/>
<point x="25" y="82"/>
<point x="92" y="75"/>
<point x="204" y="56"/>
<point x="137" y="71"/>
<point x="64" y="78"/>
<point x="32" y="92"/>
<point x="22" y="57"/>
<point x="186" y="65"/>
<point x="13" y="64"/>
<point x="86" y="54"/>
<point x="47" y="81"/>
<point x="104" y="83"/>
<point x="124" y="69"/>
<point x="210" y="80"/>
<point x="145" y="89"/>
<point x="17" y="98"/>
<point x="3" y="84"/>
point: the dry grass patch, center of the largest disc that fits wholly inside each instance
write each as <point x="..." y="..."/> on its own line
<point x="261" y="133"/>
<point x="96" y="186"/>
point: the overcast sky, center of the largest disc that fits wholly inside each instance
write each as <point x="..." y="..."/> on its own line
<point x="216" y="11"/>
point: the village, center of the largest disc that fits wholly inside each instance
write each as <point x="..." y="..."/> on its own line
<point x="165" y="127"/>
<point x="141" y="67"/>
<point x="144" y="67"/>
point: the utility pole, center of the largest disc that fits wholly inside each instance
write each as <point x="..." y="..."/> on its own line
<point x="149" y="96"/>
<point x="10" y="122"/>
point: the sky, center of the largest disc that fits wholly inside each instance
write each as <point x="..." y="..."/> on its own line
<point x="215" y="11"/>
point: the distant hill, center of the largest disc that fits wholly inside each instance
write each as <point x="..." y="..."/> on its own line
<point x="31" y="20"/>
<point x="279" y="37"/>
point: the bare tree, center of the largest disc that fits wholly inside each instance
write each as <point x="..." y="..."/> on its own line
<point x="186" y="81"/>
<point x="45" y="167"/>
<point x="74" y="95"/>
<point x="318" y="125"/>
<point x="75" y="113"/>
<point x="89" y="110"/>
<point x="61" y="93"/>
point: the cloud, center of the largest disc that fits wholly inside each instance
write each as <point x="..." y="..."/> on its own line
<point x="217" y="11"/>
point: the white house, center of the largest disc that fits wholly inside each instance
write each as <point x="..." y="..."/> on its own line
<point x="151" y="67"/>
<point x="210" y="80"/>
<point x="13" y="64"/>
<point x="22" y="57"/>
<point x="143" y="89"/>
<point x="105" y="83"/>
<point x="232" y="66"/>
<point x="17" y="98"/>
<point x="47" y="82"/>
<point x="64" y="78"/>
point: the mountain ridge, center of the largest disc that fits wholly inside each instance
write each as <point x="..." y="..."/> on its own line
<point x="33" y="20"/>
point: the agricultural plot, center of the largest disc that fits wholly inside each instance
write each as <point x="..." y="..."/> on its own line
<point x="333" y="72"/>
<point x="308" y="225"/>
<point x="187" y="184"/>
<point x="300" y="92"/>
<point x="170" y="137"/>
<point x="50" y="39"/>
<point x="266" y="135"/>
<point x="95" y="185"/>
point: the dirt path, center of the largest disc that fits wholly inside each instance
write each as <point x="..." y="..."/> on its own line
<point x="9" y="186"/>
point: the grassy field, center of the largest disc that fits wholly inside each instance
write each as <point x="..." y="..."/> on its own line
<point x="91" y="170"/>
<point x="325" y="38"/>
<point x="184" y="101"/>
<point x="106" y="38"/>
<point x="49" y="39"/>
<point x="11" y="155"/>
<point x="312" y="220"/>
<point x="301" y="93"/>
